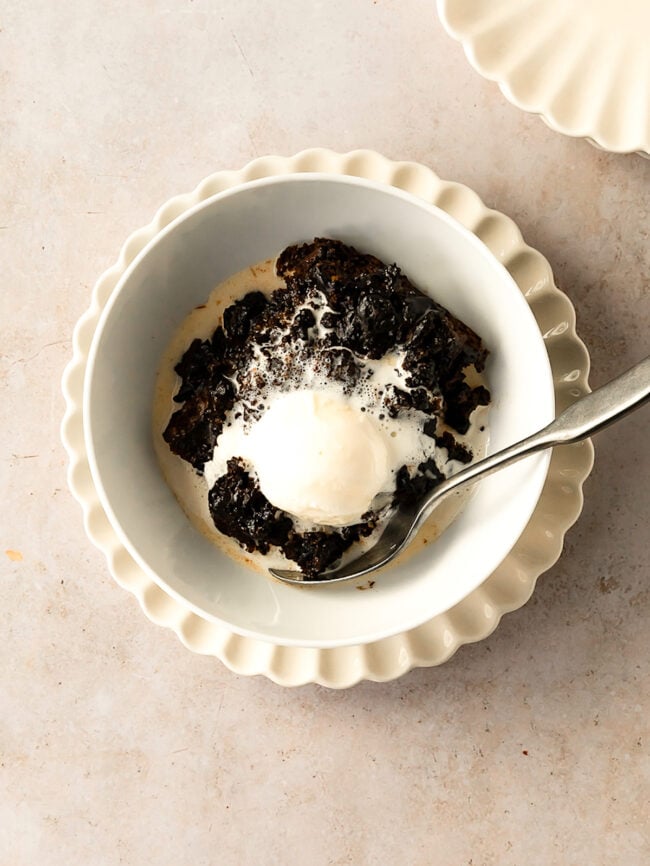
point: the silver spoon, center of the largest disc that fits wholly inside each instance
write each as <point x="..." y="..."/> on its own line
<point x="588" y="415"/>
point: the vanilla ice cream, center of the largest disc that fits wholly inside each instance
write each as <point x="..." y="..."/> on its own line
<point x="319" y="458"/>
<point x="319" y="454"/>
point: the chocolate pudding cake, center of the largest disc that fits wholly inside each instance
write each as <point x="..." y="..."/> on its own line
<point x="345" y="361"/>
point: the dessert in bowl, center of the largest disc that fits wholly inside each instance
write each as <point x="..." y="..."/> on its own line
<point x="177" y="272"/>
<point x="330" y="392"/>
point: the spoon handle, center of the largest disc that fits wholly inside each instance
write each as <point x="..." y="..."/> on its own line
<point x="603" y="406"/>
<point x="588" y="415"/>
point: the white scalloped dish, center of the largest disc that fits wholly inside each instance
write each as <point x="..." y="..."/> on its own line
<point x="287" y="633"/>
<point x="583" y="66"/>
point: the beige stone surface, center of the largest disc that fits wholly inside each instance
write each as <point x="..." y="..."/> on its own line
<point x="117" y="745"/>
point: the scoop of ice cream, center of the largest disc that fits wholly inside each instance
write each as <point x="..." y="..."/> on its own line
<point x="319" y="458"/>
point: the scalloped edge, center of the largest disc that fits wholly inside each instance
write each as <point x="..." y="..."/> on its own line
<point x="513" y="582"/>
<point x="592" y="130"/>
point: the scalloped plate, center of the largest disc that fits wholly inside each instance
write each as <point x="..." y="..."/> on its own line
<point x="506" y="589"/>
<point x="583" y="66"/>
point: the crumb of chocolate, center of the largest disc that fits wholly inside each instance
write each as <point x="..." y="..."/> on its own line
<point x="367" y="585"/>
<point x="455" y="449"/>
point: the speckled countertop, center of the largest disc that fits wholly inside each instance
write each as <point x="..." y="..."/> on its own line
<point x="117" y="744"/>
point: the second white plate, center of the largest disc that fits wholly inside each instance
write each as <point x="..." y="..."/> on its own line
<point x="583" y="65"/>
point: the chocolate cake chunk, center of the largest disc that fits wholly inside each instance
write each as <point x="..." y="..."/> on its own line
<point x="238" y="318"/>
<point x="410" y="489"/>
<point x="460" y="401"/>
<point x="239" y="509"/>
<point x="314" y="552"/>
<point x="198" y="367"/>
<point x="455" y="449"/>
<point x="193" y="430"/>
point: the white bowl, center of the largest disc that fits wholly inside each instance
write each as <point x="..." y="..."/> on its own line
<point x="177" y="271"/>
